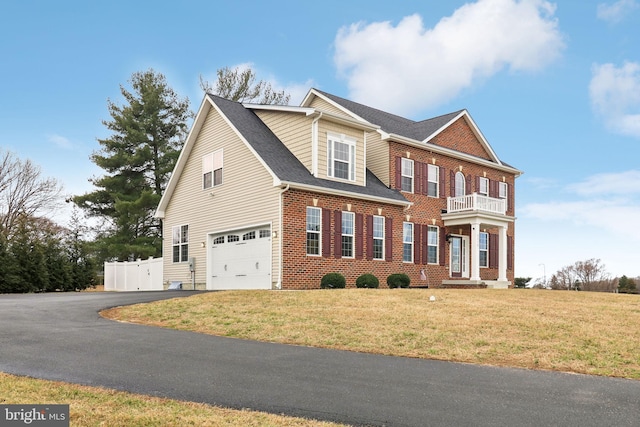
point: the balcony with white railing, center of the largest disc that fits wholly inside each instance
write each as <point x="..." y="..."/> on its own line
<point x="476" y="203"/>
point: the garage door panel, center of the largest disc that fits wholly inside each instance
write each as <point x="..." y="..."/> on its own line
<point x="243" y="261"/>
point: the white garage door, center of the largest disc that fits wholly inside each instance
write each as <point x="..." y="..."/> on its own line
<point x="241" y="259"/>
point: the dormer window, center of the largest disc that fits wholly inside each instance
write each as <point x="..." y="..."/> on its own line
<point x="341" y="157"/>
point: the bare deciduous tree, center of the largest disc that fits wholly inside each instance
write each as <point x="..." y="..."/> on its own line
<point x="239" y="84"/>
<point x="23" y="191"/>
<point x="589" y="275"/>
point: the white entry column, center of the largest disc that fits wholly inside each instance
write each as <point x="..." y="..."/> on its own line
<point x="502" y="257"/>
<point x="475" y="250"/>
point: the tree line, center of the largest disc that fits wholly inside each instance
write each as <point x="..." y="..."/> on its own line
<point x="589" y="275"/>
<point x="147" y="135"/>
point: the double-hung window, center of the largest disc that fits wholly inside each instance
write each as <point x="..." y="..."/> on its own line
<point x="313" y="231"/>
<point x="484" y="249"/>
<point x="212" y="169"/>
<point x="180" y="243"/>
<point x="432" y="245"/>
<point x="341" y="157"/>
<point x="378" y="237"/>
<point x="433" y="180"/>
<point x="407" y="175"/>
<point x="348" y="220"/>
<point x="407" y="242"/>
<point x="484" y="186"/>
<point x="502" y="190"/>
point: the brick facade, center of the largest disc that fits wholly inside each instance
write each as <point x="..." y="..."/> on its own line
<point x="302" y="271"/>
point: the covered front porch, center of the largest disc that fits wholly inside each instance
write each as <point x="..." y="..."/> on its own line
<point x="472" y="248"/>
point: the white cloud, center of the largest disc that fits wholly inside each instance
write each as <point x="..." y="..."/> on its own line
<point x="625" y="183"/>
<point x="595" y="218"/>
<point x="60" y="141"/>
<point x="616" y="12"/>
<point x="408" y="67"/>
<point x="615" y="96"/>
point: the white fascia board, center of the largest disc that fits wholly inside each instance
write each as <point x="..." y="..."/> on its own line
<point x="474" y="128"/>
<point x="307" y="100"/>
<point x="205" y="106"/>
<point x="246" y="143"/>
<point x="284" y="108"/>
<point x="353" y="195"/>
<point x="451" y="153"/>
<point x="363" y="125"/>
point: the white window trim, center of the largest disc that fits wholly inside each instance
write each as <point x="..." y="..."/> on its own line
<point x="437" y="244"/>
<point x="213" y="168"/>
<point x="486" y="186"/>
<point x="436" y="173"/>
<point x="319" y="232"/>
<point x="383" y="238"/>
<point x="403" y="175"/>
<point x="352" y="235"/>
<point x="484" y="250"/>
<point x="332" y="138"/>
<point x="180" y="244"/>
<point x="503" y="190"/>
<point x="461" y="190"/>
<point x="406" y="242"/>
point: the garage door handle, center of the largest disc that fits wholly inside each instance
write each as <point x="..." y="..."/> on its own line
<point x="257" y="265"/>
<point x="240" y="275"/>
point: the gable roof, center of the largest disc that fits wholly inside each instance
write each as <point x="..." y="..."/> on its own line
<point x="406" y="130"/>
<point x="284" y="166"/>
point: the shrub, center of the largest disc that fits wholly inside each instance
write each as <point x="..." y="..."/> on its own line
<point x="398" y="280"/>
<point x="367" y="281"/>
<point x="332" y="281"/>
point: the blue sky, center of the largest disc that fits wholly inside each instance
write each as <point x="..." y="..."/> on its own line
<point x="554" y="87"/>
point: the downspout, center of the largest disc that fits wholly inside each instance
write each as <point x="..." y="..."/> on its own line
<point x="279" y="283"/>
<point x="314" y="144"/>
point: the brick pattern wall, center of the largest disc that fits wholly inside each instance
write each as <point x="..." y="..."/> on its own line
<point x="302" y="271"/>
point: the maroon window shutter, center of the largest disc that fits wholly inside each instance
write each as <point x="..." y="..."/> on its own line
<point x="468" y="188"/>
<point x="359" y="231"/>
<point x="326" y="232"/>
<point x="337" y="234"/>
<point x="443" y="245"/>
<point x="452" y="183"/>
<point x="493" y="251"/>
<point x="388" y="239"/>
<point x="492" y="188"/>
<point x="369" y="236"/>
<point x="509" y="252"/>
<point x="417" y="177"/>
<point x="477" y="184"/>
<point x="510" y="197"/>
<point x="417" y="243"/>
<point x="398" y="174"/>
<point x="441" y="182"/>
<point x="425" y="242"/>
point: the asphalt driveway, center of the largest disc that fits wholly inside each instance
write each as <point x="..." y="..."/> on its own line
<point x="62" y="337"/>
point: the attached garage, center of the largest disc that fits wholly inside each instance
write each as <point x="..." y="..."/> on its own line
<point x="240" y="259"/>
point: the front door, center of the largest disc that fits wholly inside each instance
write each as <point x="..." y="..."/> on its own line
<point x="459" y="258"/>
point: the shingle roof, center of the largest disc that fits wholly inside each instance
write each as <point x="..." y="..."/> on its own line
<point x="283" y="163"/>
<point x="391" y="123"/>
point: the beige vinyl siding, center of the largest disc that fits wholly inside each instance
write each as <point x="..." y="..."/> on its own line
<point x="245" y="198"/>
<point x="294" y="130"/>
<point x="322" y="105"/>
<point x="324" y="128"/>
<point x="378" y="157"/>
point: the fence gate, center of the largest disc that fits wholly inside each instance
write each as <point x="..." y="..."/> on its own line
<point x="133" y="276"/>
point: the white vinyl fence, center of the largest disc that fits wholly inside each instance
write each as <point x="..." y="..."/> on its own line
<point x="133" y="276"/>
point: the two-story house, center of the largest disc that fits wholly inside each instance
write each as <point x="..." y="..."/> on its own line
<point x="274" y="197"/>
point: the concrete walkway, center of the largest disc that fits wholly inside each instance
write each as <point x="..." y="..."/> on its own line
<point x="62" y="337"/>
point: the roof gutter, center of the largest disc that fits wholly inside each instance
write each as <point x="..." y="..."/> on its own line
<point x="343" y="193"/>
